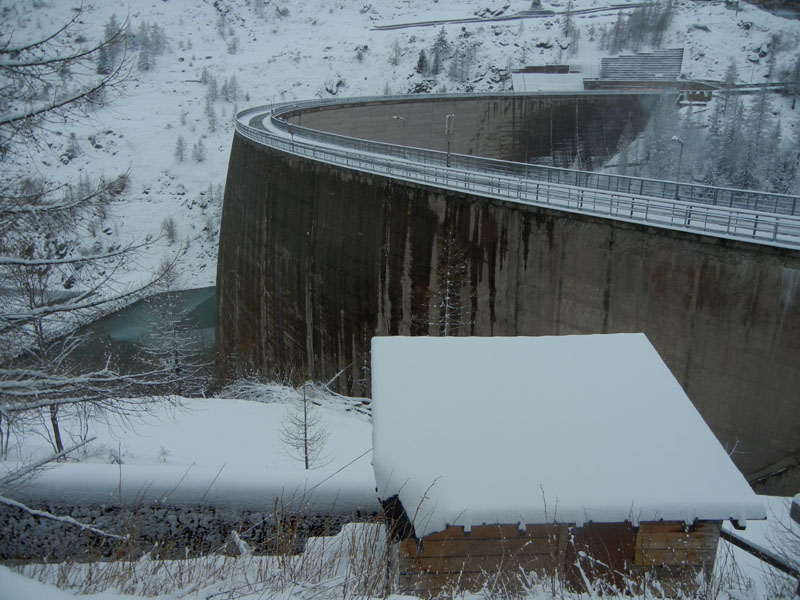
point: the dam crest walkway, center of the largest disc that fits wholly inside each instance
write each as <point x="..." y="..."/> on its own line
<point x="741" y="215"/>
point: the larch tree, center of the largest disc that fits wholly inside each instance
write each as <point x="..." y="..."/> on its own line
<point x="54" y="278"/>
<point x="446" y="308"/>
<point x="303" y="431"/>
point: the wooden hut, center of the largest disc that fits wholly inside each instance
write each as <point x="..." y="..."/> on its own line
<point x="578" y="458"/>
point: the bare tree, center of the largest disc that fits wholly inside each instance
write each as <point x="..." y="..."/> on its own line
<point x="55" y="278"/>
<point x="783" y="539"/>
<point x="304" y="432"/>
<point x="53" y="79"/>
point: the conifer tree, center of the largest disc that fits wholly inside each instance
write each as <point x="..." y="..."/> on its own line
<point x="422" y="63"/>
<point x="103" y="62"/>
<point x="394" y="57"/>
<point x="441" y="45"/>
<point x="145" y="60"/>
<point x="199" y="151"/>
<point x="180" y="148"/>
<point x="114" y="41"/>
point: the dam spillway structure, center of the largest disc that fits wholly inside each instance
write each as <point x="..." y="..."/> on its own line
<point x="345" y="219"/>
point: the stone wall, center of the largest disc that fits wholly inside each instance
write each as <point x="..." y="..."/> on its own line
<point x="166" y="531"/>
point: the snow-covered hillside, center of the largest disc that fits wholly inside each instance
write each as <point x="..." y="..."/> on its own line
<point x="229" y="54"/>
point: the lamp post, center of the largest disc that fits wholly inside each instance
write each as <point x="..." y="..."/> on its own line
<point x="403" y="120"/>
<point x="675" y="138"/>
<point x="448" y="132"/>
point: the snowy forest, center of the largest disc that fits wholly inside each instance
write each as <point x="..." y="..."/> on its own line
<point x="740" y="144"/>
<point x="115" y="129"/>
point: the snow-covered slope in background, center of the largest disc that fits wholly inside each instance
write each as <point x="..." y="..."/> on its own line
<point x="279" y="50"/>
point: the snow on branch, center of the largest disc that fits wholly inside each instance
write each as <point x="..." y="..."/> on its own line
<point x="39" y="262"/>
<point x="41" y="42"/>
<point x="22" y="472"/>
<point x="62" y="519"/>
<point x="83" y="301"/>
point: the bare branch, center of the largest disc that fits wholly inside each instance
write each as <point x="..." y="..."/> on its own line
<point x="84" y="95"/>
<point x="60" y="59"/>
<point x="38" y="262"/>
<point x="49" y="38"/>
<point x="28" y="469"/>
<point x="77" y="303"/>
<point x="61" y="519"/>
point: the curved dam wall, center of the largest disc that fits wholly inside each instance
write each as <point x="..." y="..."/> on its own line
<point x="316" y="259"/>
<point x="550" y="129"/>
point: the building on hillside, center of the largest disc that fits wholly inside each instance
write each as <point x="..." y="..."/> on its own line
<point x="660" y="69"/>
<point x="547" y="78"/>
<point x="657" y="70"/>
<point x="576" y="456"/>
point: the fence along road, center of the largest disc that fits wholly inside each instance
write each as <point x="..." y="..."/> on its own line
<point x="742" y="215"/>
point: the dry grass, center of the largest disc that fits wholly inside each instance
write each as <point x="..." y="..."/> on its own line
<point x="354" y="563"/>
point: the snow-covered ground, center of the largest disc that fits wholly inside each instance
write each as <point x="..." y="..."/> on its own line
<point x="223" y="451"/>
<point x="160" y="448"/>
<point x="303" y="49"/>
<point x="229" y="452"/>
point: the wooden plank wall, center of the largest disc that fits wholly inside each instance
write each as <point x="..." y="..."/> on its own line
<point x="675" y="555"/>
<point x="452" y="558"/>
<point x="495" y="554"/>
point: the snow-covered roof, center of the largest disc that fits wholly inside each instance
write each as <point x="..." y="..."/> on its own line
<point x="571" y="429"/>
<point x="547" y="82"/>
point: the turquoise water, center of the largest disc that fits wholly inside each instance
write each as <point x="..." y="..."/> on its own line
<point x="121" y="336"/>
<point x="194" y="310"/>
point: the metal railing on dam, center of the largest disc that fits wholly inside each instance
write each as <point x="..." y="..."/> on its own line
<point x="743" y="215"/>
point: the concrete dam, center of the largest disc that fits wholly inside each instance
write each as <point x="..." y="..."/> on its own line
<point x="347" y="219"/>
